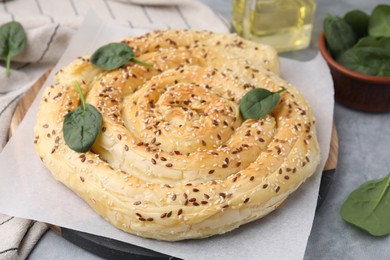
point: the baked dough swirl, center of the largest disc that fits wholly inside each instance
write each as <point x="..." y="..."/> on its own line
<point x="174" y="159"/>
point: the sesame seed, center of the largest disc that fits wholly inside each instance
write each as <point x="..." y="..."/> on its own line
<point x="137" y="203"/>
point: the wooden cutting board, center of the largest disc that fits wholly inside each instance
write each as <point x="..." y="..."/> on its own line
<point x="113" y="249"/>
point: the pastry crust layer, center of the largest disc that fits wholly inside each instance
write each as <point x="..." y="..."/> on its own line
<point x="174" y="159"/>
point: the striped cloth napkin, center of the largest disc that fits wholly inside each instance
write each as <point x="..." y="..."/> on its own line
<point x="49" y="27"/>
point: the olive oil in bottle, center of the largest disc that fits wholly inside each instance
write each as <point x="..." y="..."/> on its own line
<point x="238" y="15"/>
<point x="284" y="24"/>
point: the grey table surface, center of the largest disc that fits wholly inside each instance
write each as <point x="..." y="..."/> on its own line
<point x="364" y="154"/>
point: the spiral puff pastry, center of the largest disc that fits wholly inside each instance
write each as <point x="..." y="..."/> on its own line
<point x="174" y="159"/>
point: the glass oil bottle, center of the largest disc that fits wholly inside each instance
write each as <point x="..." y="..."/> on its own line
<point x="284" y="24"/>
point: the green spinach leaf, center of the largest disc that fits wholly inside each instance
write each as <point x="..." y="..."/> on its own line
<point x="358" y="20"/>
<point x="368" y="207"/>
<point x="12" y="42"/>
<point x="380" y="21"/>
<point x="367" y="60"/>
<point x="82" y="125"/>
<point x="339" y="35"/>
<point x="114" y="55"/>
<point x="259" y="102"/>
<point x="370" y="41"/>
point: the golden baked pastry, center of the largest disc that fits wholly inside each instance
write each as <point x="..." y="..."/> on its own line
<point x="174" y="159"/>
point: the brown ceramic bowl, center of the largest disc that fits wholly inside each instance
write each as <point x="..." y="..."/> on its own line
<point x="355" y="90"/>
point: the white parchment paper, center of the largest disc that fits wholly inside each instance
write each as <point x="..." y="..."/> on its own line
<point x="28" y="190"/>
